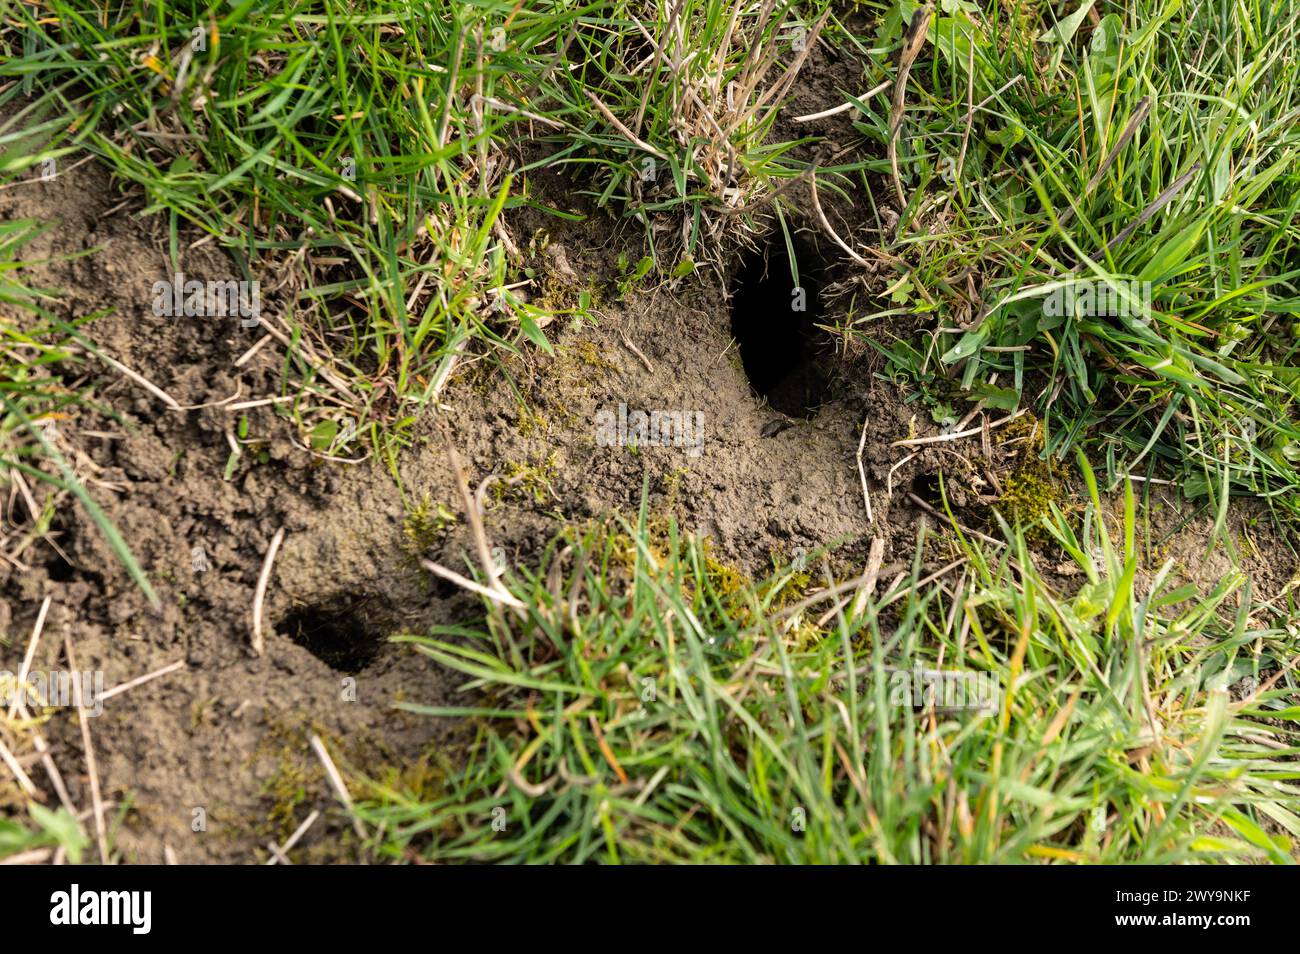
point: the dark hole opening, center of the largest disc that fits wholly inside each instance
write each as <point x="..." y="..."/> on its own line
<point x="926" y="486"/>
<point x="445" y="589"/>
<point x="60" y="542"/>
<point x="339" y="634"/>
<point x="58" y="569"/>
<point x="774" y="321"/>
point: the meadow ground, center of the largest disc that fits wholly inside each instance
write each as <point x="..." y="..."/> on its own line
<point x="649" y="430"/>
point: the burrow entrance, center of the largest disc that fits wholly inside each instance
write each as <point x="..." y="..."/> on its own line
<point x="775" y="311"/>
<point x="340" y="633"/>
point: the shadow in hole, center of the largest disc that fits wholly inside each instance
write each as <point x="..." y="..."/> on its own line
<point x="58" y="569"/>
<point x="774" y="321"/>
<point x="339" y="633"/>
<point x="927" y="487"/>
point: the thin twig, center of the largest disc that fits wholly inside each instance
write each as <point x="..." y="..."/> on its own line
<point x="280" y="853"/>
<point x="141" y="680"/>
<point x="1139" y="114"/>
<point x="92" y="770"/>
<point x="875" y="556"/>
<point x="24" y="781"/>
<point x="636" y="351"/>
<point x="844" y="107"/>
<point x="51" y="770"/>
<point x="862" y="470"/>
<point x="934" y="512"/>
<point x="913" y="41"/>
<point x="37" y="856"/>
<point x="495" y="595"/>
<point x="1161" y="201"/>
<point x="475" y="517"/>
<point x="260" y="593"/>
<point x="654" y="66"/>
<point x="303" y="350"/>
<point x="955" y="435"/>
<point x="627" y="133"/>
<point x="825" y="223"/>
<point x="336" y="780"/>
<point x="26" y="667"/>
<point x="866" y="585"/>
<point x="139" y="379"/>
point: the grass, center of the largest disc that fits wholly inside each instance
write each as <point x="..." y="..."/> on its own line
<point x="639" y="711"/>
<point x="365" y="161"/>
<point x="312" y="136"/>
<point x="1149" y="144"/>
<point x="370" y="151"/>
<point x="48" y="829"/>
<point x="671" y="107"/>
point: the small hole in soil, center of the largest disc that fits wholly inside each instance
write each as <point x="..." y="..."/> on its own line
<point x="58" y="569"/>
<point x="926" y="486"/>
<point x="445" y="589"/>
<point x="774" y="320"/>
<point x="339" y="633"/>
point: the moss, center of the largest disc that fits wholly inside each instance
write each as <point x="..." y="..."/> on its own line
<point x="527" y="480"/>
<point x="555" y="294"/>
<point x="298" y="779"/>
<point x="586" y="352"/>
<point x="423" y="779"/>
<point x="792" y="590"/>
<point x="577" y="370"/>
<point x="558" y="297"/>
<point x="424" y="524"/>
<point x="1031" y="487"/>
<point x="670" y="484"/>
<point x="657" y="542"/>
<point x="726" y="580"/>
<point x="737" y="591"/>
<point x="1029" y="493"/>
<point x="201" y="713"/>
<point x="531" y="422"/>
<point x="373" y="773"/>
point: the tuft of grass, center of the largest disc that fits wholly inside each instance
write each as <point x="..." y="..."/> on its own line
<point x="364" y="156"/>
<point x="49" y="829"/>
<point x="645" y="716"/>
<point x="424" y="523"/>
<point x="356" y="153"/>
<point x="673" y="102"/>
<point x="1143" y="153"/>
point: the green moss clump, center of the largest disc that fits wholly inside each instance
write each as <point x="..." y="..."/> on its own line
<point x="531" y="422"/>
<point x="527" y="480"/>
<point x="1028" y="494"/>
<point x="424" y="524"/>
<point x="296" y="779"/>
<point x="586" y="352"/>
<point x="1031" y="488"/>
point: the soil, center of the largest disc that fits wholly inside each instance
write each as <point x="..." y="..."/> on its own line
<point x="227" y="733"/>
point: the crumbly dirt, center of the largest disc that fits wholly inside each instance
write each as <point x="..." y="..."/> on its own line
<point x="227" y="733"/>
